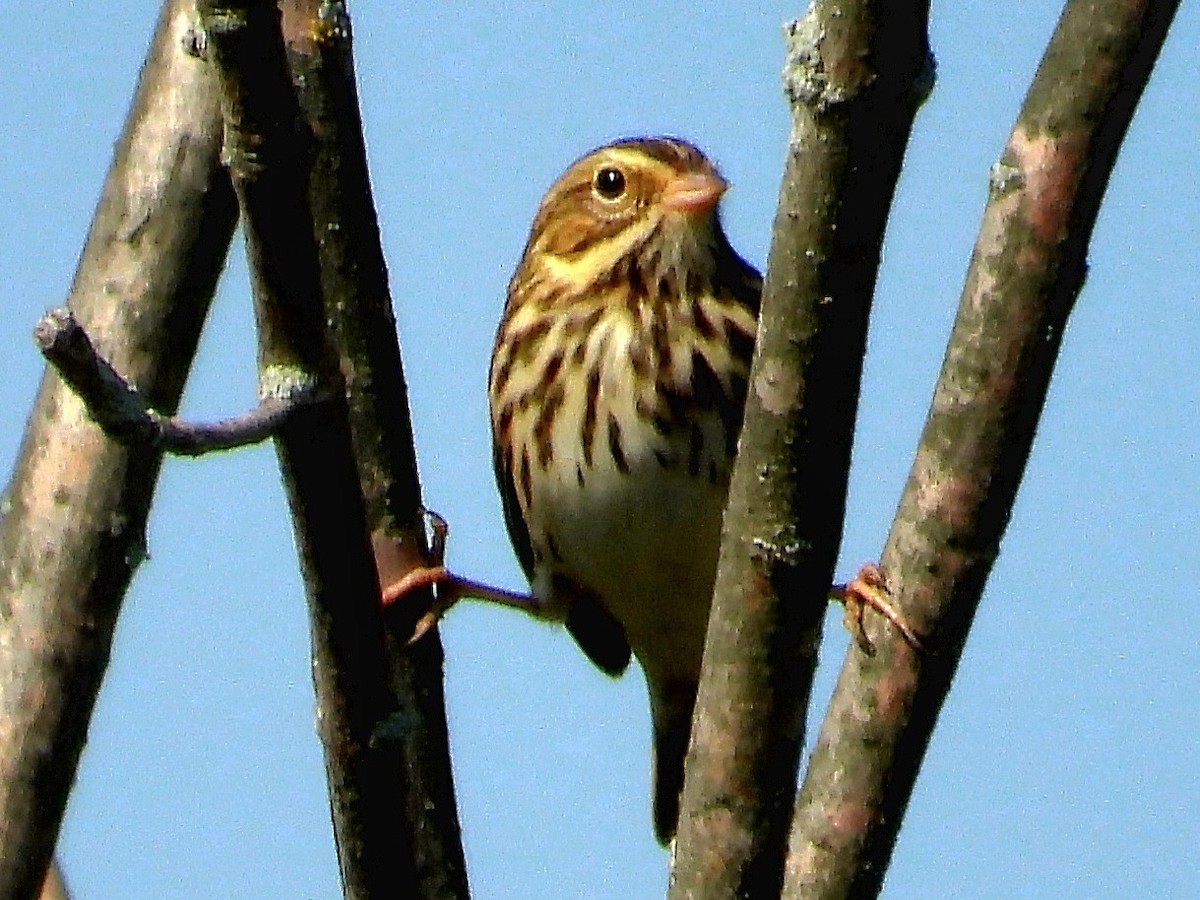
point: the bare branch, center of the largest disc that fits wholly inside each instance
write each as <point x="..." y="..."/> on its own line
<point x="73" y="518"/>
<point x="856" y="75"/>
<point x="1026" y="271"/>
<point x="122" y="412"/>
<point x="359" y="309"/>
<point x="268" y="150"/>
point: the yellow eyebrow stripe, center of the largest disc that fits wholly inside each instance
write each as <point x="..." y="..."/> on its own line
<point x="582" y="268"/>
<point x="634" y="159"/>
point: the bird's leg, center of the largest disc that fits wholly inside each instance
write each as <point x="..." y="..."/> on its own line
<point x="869" y="588"/>
<point x="399" y="578"/>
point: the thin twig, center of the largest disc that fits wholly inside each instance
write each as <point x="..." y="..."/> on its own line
<point x="122" y="412"/>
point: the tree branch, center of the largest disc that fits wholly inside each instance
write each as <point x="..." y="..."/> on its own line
<point x="72" y="521"/>
<point x="363" y="330"/>
<point x="269" y="152"/>
<point x="122" y="412"/>
<point x="1026" y="271"/>
<point x="855" y="75"/>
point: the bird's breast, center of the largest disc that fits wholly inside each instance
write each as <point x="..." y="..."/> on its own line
<point x="629" y="504"/>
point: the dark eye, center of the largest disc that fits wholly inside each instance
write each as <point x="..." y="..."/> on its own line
<point x="610" y="183"/>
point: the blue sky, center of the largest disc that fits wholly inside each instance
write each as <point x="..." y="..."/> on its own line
<point x="1065" y="761"/>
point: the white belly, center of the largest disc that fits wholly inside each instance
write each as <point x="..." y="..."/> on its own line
<point x="644" y="541"/>
<point x="623" y="494"/>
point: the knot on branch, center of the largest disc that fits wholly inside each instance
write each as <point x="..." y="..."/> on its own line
<point x="805" y="79"/>
<point x="835" y="56"/>
<point x="287" y="383"/>
<point x="1004" y="177"/>
<point x="332" y="25"/>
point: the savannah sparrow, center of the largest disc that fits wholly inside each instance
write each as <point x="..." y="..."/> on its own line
<point x="617" y="386"/>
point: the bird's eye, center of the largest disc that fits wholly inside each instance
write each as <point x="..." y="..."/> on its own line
<point x="610" y="183"/>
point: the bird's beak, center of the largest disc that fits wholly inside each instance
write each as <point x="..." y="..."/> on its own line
<point x="697" y="192"/>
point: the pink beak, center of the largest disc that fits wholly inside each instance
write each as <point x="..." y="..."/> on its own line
<point x="696" y="192"/>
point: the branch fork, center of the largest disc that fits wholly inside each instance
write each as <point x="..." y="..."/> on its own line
<point x="124" y="415"/>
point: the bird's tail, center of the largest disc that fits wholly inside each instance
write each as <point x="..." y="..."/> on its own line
<point x="672" y="711"/>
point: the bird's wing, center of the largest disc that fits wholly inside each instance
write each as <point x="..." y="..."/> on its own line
<point x="598" y="634"/>
<point x="518" y="531"/>
<point x="593" y="627"/>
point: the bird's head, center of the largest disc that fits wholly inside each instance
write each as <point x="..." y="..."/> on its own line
<point x="644" y="208"/>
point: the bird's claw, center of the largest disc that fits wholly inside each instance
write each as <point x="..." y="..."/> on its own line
<point x="401" y="574"/>
<point x="415" y="580"/>
<point x="869" y="588"/>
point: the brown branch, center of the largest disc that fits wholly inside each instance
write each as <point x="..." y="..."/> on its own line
<point x="123" y="413"/>
<point x="855" y="76"/>
<point x="1026" y="271"/>
<point x="72" y="530"/>
<point x="359" y="310"/>
<point x="55" y="886"/>
<point x="268" y="150"/>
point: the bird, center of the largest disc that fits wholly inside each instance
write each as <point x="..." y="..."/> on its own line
<point x="616" y="390"/>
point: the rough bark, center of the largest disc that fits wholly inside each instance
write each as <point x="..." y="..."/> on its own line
<point x="270" y="150"/>
<point x="1026" y="271"/>
<point x="856" y="74"/>
<point x="72" y="521"/>
<point x="363" y="329"/>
